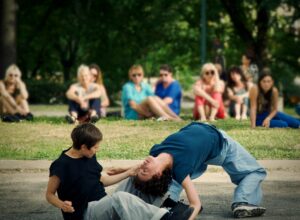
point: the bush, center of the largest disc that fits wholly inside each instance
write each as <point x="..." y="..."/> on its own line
<point x="43" y="92"/>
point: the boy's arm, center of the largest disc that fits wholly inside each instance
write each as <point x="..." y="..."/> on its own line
<point x="52" y="187"/>
<point x="112" y="179"/>
<point x="192" y="196"/>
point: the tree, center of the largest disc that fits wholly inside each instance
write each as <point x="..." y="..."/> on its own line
<point x="7" y="34"/>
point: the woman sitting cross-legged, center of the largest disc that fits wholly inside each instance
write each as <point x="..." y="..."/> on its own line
<point x="263" y="108"/>
<point x="84" y="98"/>
<point x="138" y="99"/>
<point x="208" y="95"/>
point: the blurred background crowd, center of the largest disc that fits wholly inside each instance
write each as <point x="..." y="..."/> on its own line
<point x="216" y="51"/>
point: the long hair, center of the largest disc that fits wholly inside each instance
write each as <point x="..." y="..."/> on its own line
<point x="99" y="79"/>
<point x="13" y="68"/>
<point x="264" y="99"/>
<point x="236" y="69"/>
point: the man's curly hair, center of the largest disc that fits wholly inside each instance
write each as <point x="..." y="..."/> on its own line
<point x="156" y="186"/>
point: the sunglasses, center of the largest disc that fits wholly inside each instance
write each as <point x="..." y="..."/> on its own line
<point x="11" y="75"/>
<point x="95" y="75"/>
<point x="136" y="74"/>
<point x="211" y="72"/>
<point x="163" y="74"/>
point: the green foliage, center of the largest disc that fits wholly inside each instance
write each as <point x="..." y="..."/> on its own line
<point x="44" y="92"/>
<point x="58" y="36"/>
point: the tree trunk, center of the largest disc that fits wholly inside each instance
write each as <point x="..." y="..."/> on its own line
<point x="7" y="35"/>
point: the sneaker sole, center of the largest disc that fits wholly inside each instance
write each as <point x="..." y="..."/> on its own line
<point x="243" y="212"/>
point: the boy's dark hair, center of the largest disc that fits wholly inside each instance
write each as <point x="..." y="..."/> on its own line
<point x="156" y="186"/>
<point x="87" y="134"/>
<point x="166" y="67"/>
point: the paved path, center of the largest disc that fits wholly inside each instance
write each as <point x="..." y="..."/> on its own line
<point x="23" y="184"/>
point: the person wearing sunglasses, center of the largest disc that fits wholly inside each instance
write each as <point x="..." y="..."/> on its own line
<point x="139" y="101"/>
<point x="208" y="95"/>
<point x="168" y="89"/>
<point x="14" y="97"/>
<point x="84" y="98"/>
<point x="96" y="77"/>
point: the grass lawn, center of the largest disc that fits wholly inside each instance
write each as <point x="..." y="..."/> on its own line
<point x="46" y="137"/>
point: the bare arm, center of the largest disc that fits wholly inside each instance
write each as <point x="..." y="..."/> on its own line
<point x="253" y="105"/>
<point x="23" y="91"/>
<point x="266" y="122"/>
<point x="192" y="196"/>
<point x="6" y="95"/>
<point x="71" y="94"/>
<point x="52" y="187"/>
<point x="104" y="97"/>
<point x="168" y="100"/>
<point x="201" y="92"/>
<point x="112" y="179"/>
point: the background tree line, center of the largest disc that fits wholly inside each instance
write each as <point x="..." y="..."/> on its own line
<point x="53" y="37"/>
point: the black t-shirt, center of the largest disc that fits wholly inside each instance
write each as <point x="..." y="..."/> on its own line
<point x="79" y="182"/>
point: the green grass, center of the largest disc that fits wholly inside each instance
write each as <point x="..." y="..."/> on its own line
<point x="46" y="137"/>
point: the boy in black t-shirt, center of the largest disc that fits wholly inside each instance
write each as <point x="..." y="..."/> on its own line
<point x="76" y="177"/>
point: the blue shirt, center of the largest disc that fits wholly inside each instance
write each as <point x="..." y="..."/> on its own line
<point x="190" y="148"/>
<point x="172" y="91"/>
<point x="129" y="93"/>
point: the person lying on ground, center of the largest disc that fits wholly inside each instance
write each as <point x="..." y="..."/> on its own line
<point x="185" y="155"/>
<point x="77" y="178"/>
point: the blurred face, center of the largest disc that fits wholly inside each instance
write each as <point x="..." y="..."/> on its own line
<point x="148" y="169"/>
<point x="94" y="75"/>
<point x="136" y="76"/>
<point x="13" y="77"/>
<point x="85" y="77"/>
<point x="245" y="60"/>
<point x="209" y="74"/>
<point x="89" y="153"/>
<point x="235" y="76"/>
<point x="165" y="76"/>
<point x="266" y="83"/>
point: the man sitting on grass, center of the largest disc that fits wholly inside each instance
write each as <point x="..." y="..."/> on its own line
<point x="76" y="177"/>
<point x="185" y="155"/>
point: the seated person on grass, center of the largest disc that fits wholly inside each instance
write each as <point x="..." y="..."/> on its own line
<point x="264" y="105"/>
<point x="168" y="89"/>
<point x="138" y="99"/>
<point x="185" y="155"/>
<point x="13" y="97"/>
<point x="84" y="98"/>
<point x="76" y="178"/>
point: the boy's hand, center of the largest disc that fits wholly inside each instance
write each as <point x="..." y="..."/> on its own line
<point x="133" y="170"/>
<point x="67" y="207"/>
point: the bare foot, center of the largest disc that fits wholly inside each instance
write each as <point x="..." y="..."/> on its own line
<point x="244" y="117"/>
<point x="238" y="117"/>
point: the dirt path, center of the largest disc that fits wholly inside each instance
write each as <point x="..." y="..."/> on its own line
<point x="22" y="192"/>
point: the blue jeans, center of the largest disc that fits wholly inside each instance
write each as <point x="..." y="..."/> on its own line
<point x="280" y="120"/>
<point x="243" y="169"/>
<point x="94" y="104"/>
